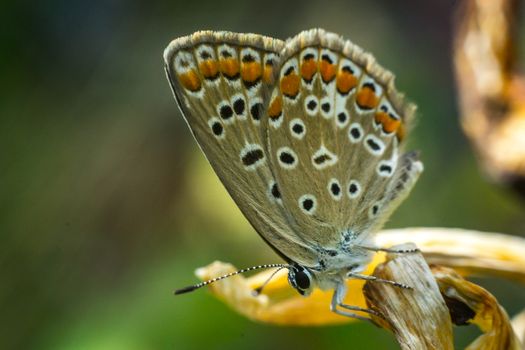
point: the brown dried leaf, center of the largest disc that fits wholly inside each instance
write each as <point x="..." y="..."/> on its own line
<point x="419" y="317"/>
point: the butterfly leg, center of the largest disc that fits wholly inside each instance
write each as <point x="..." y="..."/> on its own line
<point x="337" y="304"/>
<point x="376" y="279"/>
<point x="388" y="250"/>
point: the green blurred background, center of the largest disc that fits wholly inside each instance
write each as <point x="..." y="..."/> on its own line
<point x="107" y="204"/>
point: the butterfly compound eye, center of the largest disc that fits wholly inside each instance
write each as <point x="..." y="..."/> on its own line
<point x="300" y="278"/>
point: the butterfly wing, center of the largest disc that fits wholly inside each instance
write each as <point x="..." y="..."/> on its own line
<point x="335" y="131"/>
<point x="219" y="80"/>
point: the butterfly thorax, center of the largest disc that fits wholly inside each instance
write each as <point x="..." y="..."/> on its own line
<point x="332" y="270"/>
<point x="347" y="252"/>
<point x="333" y="265"/>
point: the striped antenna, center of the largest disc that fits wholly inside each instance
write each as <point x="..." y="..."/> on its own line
<point x="205" y="283"/>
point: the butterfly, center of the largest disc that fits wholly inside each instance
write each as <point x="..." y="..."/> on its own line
<point x="307" y="137"/>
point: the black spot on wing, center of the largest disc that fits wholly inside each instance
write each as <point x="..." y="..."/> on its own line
<point x="275" y="191"/>
<point x="238" y="106"/>
<point x="289" y="70"/>
<point x="373" y="144"/>
<point x="308" y="56"/>
<point x="327" y="59"/>
<point x="371" y="86"/>
<point x="287" y="158"/>
<point x="386" y="169"/>
<point x="226" y="112"/>
<point x="308" y="204"/>
<point x="322" y="158"/>
<point x="217" y="129"/>
<point x="335" y="189"/>
<point x="252" y="157"/>
<point x="256" y="110"/>
<point x="298" y="129"/>
<point x="248" y="58"/>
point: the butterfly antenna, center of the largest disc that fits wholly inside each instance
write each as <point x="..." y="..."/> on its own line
<point x="205" y="283"/>
<point x="259" y="289"/>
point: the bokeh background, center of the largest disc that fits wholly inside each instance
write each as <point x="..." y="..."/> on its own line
<point x="107" y="205"/>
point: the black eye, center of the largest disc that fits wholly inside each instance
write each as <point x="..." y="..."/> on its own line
<point x="302" y="279"/>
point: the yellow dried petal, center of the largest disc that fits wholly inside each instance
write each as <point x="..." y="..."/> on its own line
<point x="489" y="316"/>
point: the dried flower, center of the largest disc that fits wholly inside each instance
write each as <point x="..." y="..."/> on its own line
<point x="419" y="318"/>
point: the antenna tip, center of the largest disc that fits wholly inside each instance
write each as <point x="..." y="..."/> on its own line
<point x="185" y="290"/>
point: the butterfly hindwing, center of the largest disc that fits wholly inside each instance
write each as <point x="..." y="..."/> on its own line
<point x="335" y="132"/>
<point x="219" y="80"/>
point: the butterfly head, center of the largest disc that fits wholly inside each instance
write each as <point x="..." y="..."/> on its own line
<point x="301" y="278"/>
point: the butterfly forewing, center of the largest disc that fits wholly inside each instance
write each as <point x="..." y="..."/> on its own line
<point x="220" y="81"/>
<point x="334" y="133"/>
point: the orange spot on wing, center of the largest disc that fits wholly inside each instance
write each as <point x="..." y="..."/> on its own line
<point x="366" y="98"/>
<point x="290" y="85"/>
<point x="268" y="73"/>
<point x="251" y="72"/>
<point x="308" y="69"/>
<point x="229" y="67"/>
<point x="276" y="108"/>
<point x="346" y="81"/>
<point x="190" y="80"/>
<point x="327" y="70"/>
<point x="209" y="69"/>
<point x="389" y="124"/>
